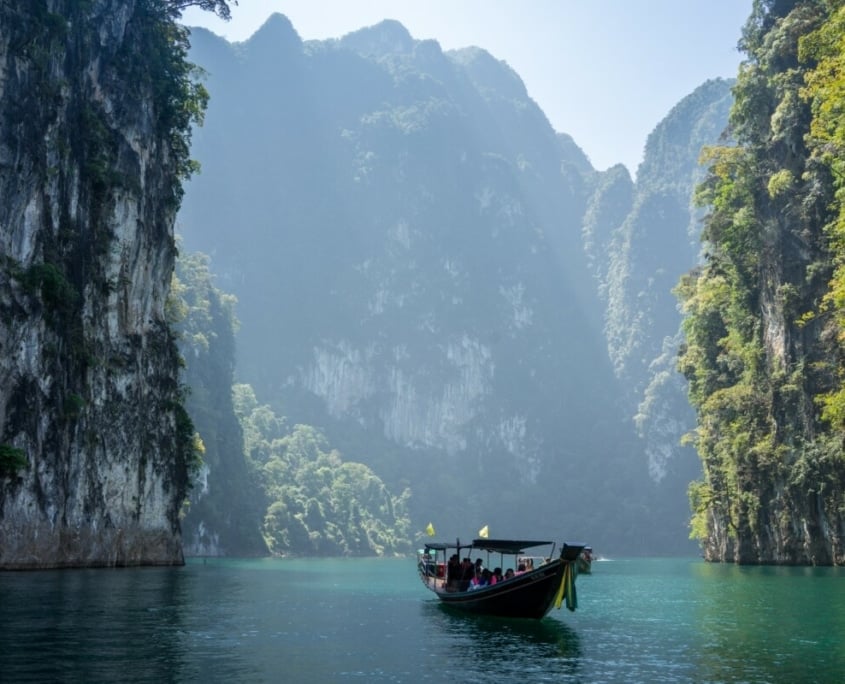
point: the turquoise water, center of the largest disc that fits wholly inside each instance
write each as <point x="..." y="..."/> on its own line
<point x="371" y="620"/>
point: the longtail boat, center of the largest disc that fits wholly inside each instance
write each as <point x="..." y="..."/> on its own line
<point x="541" y="581"/>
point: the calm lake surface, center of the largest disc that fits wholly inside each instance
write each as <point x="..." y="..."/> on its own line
<point x="638" y="620"/>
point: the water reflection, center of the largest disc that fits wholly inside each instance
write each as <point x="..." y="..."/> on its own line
<point x="770" y="623"/>
<point x="84" y="625"/>
<point x="110" y="625"/>
<point x="504" y="647"/>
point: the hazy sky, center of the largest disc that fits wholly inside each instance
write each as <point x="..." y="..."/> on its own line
<point x="604" y="71"/>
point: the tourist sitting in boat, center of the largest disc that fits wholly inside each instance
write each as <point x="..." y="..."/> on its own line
<point x="482" y="580"/>
<point x="467" y="574"/>
<point x="497" y="576"/>
<point x="509" y="574"/>
<point x="453" y="573"/>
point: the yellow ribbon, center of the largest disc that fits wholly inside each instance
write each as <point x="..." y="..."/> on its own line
<point x="561" y="591"/>
<point x="566" y="590"/>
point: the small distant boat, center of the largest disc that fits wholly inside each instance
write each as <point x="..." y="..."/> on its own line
<point x="585" y="561"/>
<point x="546" y="580"/>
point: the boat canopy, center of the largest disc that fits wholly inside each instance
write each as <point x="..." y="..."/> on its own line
<point x="509" y="546"/>
<point x="513" y="546"/>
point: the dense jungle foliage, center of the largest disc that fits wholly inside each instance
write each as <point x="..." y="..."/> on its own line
<point x="764" y="332"/>
<point x="319" y="503"/>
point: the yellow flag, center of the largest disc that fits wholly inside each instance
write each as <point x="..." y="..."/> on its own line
<point x="484" y="532"/>
<point x="430" y="530"/>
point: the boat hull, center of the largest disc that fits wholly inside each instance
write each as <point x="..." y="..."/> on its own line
<point x="529" y="595"/>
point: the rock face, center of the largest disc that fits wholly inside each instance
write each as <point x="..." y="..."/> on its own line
<point x="88" y="366"/>
<point x="640" y="238"/>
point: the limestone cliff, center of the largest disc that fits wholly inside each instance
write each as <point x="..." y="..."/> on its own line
<point x="639" y="239"/>
<point x="95" y="442"/>
<point x="763" y="335"/>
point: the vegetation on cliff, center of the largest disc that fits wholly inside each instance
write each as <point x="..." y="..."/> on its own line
<point x="825" y="91"/>
<point x="763" y="351"/>
<point x="320" y="504"/>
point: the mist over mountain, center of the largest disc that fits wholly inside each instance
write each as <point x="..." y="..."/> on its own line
<point x="429" y="272"/>
<point x="640" y="239"/>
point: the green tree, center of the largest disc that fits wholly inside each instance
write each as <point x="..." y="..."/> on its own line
<point x="318" y="503"/>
